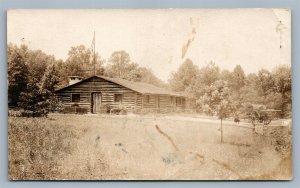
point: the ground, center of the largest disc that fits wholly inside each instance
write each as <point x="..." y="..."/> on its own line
<point x="129" y="147"/>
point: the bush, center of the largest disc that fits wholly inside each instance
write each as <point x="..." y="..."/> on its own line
<point x="105" y="108"/>
<point x="123" y="112"/>
<point x="115" y="111"/>
<point x="118" y="111"/>
<point x="37" y="102"/>
<point x="41" y="112"/>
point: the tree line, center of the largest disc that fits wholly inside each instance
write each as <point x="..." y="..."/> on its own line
<point x="211" y="89"/>
<point x="33" y="75"/>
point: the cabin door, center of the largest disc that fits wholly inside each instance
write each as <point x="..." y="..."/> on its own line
<point x="158" y="101"/>
<point x="96" y="102"/>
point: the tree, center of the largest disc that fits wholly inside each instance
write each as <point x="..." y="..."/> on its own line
<point x="226" y="75"/>
<point x="217" y="101"/>
<point x="34" y="101"/>
<point x="32" y="78"/>
<point x="48" y="86"/>
<point x="251" y="92"/>
<point x="142" y="74"/>
<point x="38" y="99"/>
<point x="183" y="77"/>
<point x="61" y="68"/>
<point x="205" y="77"/>
<point x="236" y="83"/>
<point x="17" y="76"/>
<point x="81" y="62"/>
<point x="36" y="61"/>
<point x="119" y="65"/>
<point x="209" y="74"/>
<point x="265" y="82"/>
<point x="50" y="79"/>
<point x="238" y="78"/>
<point x="283" y="85"/>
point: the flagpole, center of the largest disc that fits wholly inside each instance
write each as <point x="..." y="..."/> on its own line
<point x="94" y="54"/>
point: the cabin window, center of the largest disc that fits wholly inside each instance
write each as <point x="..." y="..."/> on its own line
<point x="147" y="99"/>
<point x="75" y="97"/>
<point x="118" y="97"/>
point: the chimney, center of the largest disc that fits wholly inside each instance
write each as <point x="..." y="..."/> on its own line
<point x="74" y="79"/>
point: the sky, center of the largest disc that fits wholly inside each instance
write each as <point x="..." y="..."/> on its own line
<point x="161" y="39"/>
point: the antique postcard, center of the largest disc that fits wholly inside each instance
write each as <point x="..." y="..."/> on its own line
<point x="149" y="94"/>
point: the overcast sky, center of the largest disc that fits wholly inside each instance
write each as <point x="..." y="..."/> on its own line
<point x="156" y="38"/>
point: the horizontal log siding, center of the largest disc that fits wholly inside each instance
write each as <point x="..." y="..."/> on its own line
<point x="85" y="98"/>
<point x="166" y="103"/>
<point x="151" y="103"/>
<point x="130" y="100"/>
<point x="139" y="100"/>
<point x="107" y="90"/>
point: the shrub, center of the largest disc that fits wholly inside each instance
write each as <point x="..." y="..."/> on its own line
<point x="37" y="102"/>
<point x="105" y="108"/>
<point x="123" y="112"/>
<point x="118" y="111"/>
<point x="115" y="111"/>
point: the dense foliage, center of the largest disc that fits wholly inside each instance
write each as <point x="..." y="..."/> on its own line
<point x="17" y="76"/>
<point x="120" y="66"/>
<point x="33" y="76"/>
<point x="269" y="88"/>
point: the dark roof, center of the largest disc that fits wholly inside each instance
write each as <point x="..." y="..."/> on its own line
<point x="140" y="87"/>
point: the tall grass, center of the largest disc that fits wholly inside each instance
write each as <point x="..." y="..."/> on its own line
<point x="37" y="147"/>
<point x="86" y="147"/>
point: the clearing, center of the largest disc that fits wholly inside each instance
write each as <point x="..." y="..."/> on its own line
<point x="130" y="147"/>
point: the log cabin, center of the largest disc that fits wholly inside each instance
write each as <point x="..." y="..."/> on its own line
<point x="95" y="94"/>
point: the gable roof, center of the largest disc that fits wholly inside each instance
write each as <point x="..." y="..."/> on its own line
<point x="140" y="87"/>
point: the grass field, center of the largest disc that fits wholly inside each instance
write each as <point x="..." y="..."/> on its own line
<point x="95" y="147"/>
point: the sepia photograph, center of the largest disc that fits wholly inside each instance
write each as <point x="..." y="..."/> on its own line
<point x="149" y="94"/>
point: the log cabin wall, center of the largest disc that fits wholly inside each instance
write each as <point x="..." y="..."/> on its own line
<point x="161" y="103"/>
<point x="106" y="88"/>
<point x="148" y="101"/>
<point x="131" y="100"/>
